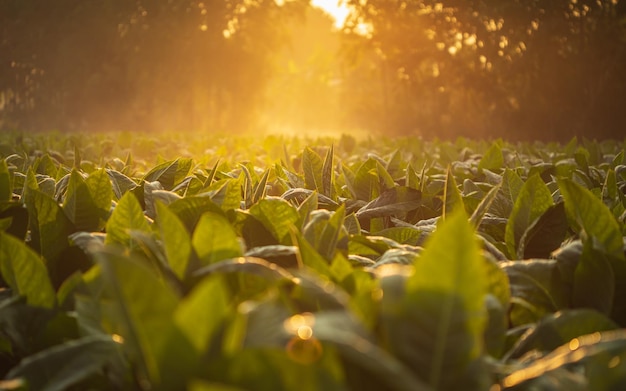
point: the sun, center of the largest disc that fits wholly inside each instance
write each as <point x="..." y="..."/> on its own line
<point x="335" y="8"/>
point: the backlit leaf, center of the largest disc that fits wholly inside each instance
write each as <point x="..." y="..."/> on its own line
<point x="214" y="239"/>
<point x="126" y="216"/>
<point x="24" y="272"/>
<point x="533" y="201"/>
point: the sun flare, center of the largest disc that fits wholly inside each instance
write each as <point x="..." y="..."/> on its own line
<point x="335" y="8"/>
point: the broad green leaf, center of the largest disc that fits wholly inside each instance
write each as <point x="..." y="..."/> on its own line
<point x="333" y="236"/>
<point x="392" y="202"/>
<point x="537" y="289"/>
<point x="201" y="312"/>
<point x="366" y="185"/>
<point x="405" y="235"/>
<point x="49" y="225"/>
<point x="120" y="183"/>
<point x="99" y="185"/>
<point x="374" y="368"/>
<point x="15" y="216"/>
<point x="533" y="201"/>
<point x="126" y="216"/>
<point x="546" y="234"/>
<point x="594" y="281"/>
<point x="277" y="216"/>
<point x="492" y="159"/>
<point x="214" y="239"/>
<point x="309" y="257"/>
<point x="452" y="199"/>
<point x="176" y="240"/>
<point x="25" y="273"/>
<point x="592" y="219"/>
<point x="610" y="191"/>
<point x="307" y="206"/>
<point x="412" y="179"/>
<point x="444" y="303"/>
<point x="65" y="365"/>
<point x="170" y="173"/>
<point x="509" y="191"/>
<point x="283" y="256"/>
<point x="600" y="356"/>
<point x="144" y="307"/>
<point x="313" y="168"/>
<point x="227" y="193"/>
<point x="6" y="188"/>
<point x="190" y="209"/>
<point x="46" y="166"/>
<point x="560" y="327"/>
<point x="87" y="202"/>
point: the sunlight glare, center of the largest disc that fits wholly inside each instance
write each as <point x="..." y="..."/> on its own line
<point x="335" y="8"/>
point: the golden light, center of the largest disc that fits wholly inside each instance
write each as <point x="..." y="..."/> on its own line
<point x="335" y="8"/>
<point x="302" y="347"/>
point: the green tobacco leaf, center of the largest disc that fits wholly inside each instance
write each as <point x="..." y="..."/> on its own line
<point x="492" y="159"/>
<point x="333" y="235"/>
<point x="452" y="199"/>
<point x="556" y="329"/>
<point x="6" y="189"/>
<point x="126" y="216"/>
<point x="600" y="356"/>
<point x="509" y="191"/>
<point x="610" y="191"/>
<point x="443" y="304"/>
<point x="190" y="209"/>
<point x="373" y="367"/>
<point x="87" y="202"/>
<point x="259" y="189"/>
<point x="214" y="239"/>
<point x="412" y="179"/>
<point x="309" y="257"/>
<point x="313" y="168"/>
<point x="533" y="201"/>
<point x="25" y="273"/>
<point x="594" y="281"/>
<point x="537" y="289"/>
<point x="227" y="193"/>
<point x="391" y="202"/>
<point x="120" y="183"/>
<point x="201" y="312"/>
<point x="546" y="234"/>
<point x="143" y="317"/>
<point x="49" y="225"/>
<point x="484" y="205"/>
<point x="176" y="240"/>
<point x="65" y="365"/>
<point x="15" y="217"/>
<point x="328" y="174"/>
<point x="170" y="173"/>
<point x="307" y="206"/>
<point x="366" y="185"/>
<point x="277" y="216"/>
<point x="592" y="219"/>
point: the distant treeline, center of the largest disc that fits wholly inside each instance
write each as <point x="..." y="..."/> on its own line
<point x="515" y="69"/>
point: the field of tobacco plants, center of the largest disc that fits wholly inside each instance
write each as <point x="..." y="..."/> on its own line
<point x="132" y="262"/>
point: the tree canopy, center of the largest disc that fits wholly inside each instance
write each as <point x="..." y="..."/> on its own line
<point x="483" y="68"/>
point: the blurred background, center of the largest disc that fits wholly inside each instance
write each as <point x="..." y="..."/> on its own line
<point x="517" y="69"/>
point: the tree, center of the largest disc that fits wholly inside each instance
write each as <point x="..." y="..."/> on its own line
<point x="111" y="64"/>
<point x="539" y="69"/>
